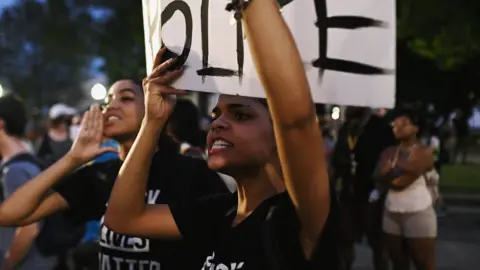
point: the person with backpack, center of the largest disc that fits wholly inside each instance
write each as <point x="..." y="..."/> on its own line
<point x="18" y="248"/>
<point x="81" y="190"/>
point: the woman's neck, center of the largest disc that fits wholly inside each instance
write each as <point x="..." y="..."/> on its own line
<point x="409" y="142"/>
<point x="124" y="149"/>
<point x="255" y="187"/>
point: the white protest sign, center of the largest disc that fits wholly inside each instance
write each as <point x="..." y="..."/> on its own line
<point x="348" y="47"/>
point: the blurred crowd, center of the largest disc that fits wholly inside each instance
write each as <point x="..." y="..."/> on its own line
<point x="353" y="152"/>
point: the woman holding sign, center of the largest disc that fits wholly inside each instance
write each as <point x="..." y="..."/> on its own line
<point x="257" y="227"/>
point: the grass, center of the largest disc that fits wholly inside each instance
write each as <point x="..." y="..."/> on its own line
<point x="460" y="178"/>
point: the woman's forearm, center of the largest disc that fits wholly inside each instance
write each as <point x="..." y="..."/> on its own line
<point x="127" y="200"/>
<point x="298" y="137"/>
<point x="26" y="199"/>
<point x="278" y="63"/>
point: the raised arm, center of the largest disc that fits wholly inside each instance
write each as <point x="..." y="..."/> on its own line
<point x="127" y="212"/>
<point x="298" y="136"/>
<point x="31" y="201"/>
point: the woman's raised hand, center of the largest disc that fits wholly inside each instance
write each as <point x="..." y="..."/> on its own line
<point x="160" y="97"/>
<point x="88" y="144"/>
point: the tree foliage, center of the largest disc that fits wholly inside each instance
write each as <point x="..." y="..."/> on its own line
<point x="45" y="48"/>
<point x="121" y="41"/>
<point x="442" y="30"/>
<point x="439" y="53"/>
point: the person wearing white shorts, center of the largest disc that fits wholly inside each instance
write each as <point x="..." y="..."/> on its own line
<point x="409" y="221"/>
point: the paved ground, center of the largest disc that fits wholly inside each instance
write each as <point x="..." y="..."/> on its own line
<point x="458" y="246"/>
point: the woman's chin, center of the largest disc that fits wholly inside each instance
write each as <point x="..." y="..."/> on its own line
<point x="113" y="133"/>
<point x="216" y="163"/>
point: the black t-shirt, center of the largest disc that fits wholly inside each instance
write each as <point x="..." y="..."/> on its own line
<point x="172" y="177"/>
<point x="267" y="239"/>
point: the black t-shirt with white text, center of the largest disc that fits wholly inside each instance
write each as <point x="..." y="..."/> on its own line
<point x="267" y="239"/>
<point x="172" y="177"/>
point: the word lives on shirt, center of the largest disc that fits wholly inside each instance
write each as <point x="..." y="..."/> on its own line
<point x="119" y="251"/>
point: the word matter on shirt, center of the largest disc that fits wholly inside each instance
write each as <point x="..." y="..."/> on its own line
<point x="107" y="262"/>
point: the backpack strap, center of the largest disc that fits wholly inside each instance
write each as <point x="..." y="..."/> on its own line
<point x="24" y="157"/>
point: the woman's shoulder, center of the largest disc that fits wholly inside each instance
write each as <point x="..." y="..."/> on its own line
<point x="424" y="150"/>
<point x="111" y="166"/>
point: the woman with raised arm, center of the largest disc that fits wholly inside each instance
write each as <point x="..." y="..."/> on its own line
<point x="257" y="227"/>
<point x="83" y="194"/>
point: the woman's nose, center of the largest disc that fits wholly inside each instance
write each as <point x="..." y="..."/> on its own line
<point x="219" y="124"/>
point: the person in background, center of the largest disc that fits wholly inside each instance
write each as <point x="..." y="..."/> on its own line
<point x="376" y="136"/>
<point x="34" y="131"/>
<point x="85" y="255"/>
<point x="74" y="129"/>
<point x="409" y="222"/>
<point x="361" y="140"/>
<point x="56" y="142"/>
<point x="431" y="138"/>
<point x="462" y="132"/>
<point x="184" y="128"/>
<point x="328" y="138"/>
<point x="343" y="168"/>
<point x="17" y="244"/>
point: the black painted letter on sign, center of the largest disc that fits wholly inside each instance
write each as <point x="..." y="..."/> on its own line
<point x="345" y="22"/>
<point x="217" y="71"/>
<point x="167" y="14"/>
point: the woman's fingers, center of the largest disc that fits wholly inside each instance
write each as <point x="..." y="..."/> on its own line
<point x="167" y="78"/>
<point x="86" y="122"/>
<point x="91" y="122"/>
<point x="161" y="89"/>
<point x="174" y="91"/>
<point x="158" y="57"/>
<point x="94" y="118"/>
<point x="98" y="122"/>
<point x="162" y="68"/>
<point x="85" y="118"/>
